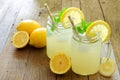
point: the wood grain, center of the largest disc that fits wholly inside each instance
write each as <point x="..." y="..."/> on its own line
<point x="93" y="11"/>
<point x="111" y="10"/>
<point x="8" y="15"/>
<point x="30" y="63"/>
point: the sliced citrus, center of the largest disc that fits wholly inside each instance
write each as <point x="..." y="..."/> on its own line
<point x="99" y="27"/>
<point x="38" y="38"/>
<point x="20" y="39"/>
<point x="60" y="63"/>
<point x="75" y="13"/>
<point x="28" y="26"/>
<point x="107" y="68"/>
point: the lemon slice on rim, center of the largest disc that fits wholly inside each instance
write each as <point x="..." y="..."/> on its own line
<point x="107" y="68"/>
<point x="60" y="63"/>
<point x="75" y="13"/>
<point x="20" y="39"/>
<point x="101" y="27"/>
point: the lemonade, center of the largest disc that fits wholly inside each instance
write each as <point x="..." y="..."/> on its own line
<point x="70" y="34"/>
<point x="85" y="57"/>
<point x="58" y="41"/>
<point x="59" y="35"/>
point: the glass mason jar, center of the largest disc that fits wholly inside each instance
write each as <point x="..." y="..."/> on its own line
<point x="85" y="55"/>
<point x="58" y="41"/>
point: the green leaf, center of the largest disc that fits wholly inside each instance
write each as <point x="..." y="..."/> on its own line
<point x="52" y="26"/>
<point x="61" y="12"/>
<point x="79" y="29"/>
<point x="56" y="19"/>
<point x="83" y="22"/>
<point x="87" y="25"/>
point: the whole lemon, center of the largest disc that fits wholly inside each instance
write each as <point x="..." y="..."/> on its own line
<point x="38" y="38"/>
<point x="28" y="26"/>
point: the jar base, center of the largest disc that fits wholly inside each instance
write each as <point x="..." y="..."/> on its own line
<point x="84" y="74"/>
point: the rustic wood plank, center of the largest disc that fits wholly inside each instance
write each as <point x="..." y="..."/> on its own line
<point x="8" y="19"/>
<point x="23" y="58"/>
<point x="92" y="11"/>
<point x="76" y="3"/>
<point x="12" y="65"/>
<point x="111" y="10"/>
<point x="4" y="7"/>
<point x="38" y="66"/>
<point x="66" y="3"/>
<point x="38" y="63"/>
<point x="32" y="64"/>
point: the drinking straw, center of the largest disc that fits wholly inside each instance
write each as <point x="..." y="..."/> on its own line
<point x="50" y="14"/>
<point x="73" y="25"/>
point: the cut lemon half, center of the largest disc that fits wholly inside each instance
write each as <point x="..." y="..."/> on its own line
<point x="107" y="68"/>
<point x="99" y="27"/>
<point x="20" y="39"/>
<point x="75" y="13"/>
<point x="60" y="63"/>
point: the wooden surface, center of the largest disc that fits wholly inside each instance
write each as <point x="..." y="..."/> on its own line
<point x="32" y="64"/>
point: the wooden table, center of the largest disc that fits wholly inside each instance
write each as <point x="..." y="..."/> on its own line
<point x="32" y="64"/>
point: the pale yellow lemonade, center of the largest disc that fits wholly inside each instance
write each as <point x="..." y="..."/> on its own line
<point x="58" y="41"/>
<point x="85" y="57"/>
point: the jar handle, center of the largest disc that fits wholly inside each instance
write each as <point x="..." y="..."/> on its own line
<point x="107" y="57"/>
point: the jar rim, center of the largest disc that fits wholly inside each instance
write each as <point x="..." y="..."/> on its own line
<point x="84" y="39"/>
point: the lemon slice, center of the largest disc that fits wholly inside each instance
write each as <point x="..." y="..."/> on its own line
<point x="107" y="68"/>
<point x="99" y="27"/>
<point x="20" y="39"/>
<point x="76" y="15"/>
<point x="60" y="63"/>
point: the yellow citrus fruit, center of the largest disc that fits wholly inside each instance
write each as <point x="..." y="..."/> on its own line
<point x="20" y="39"/>
<point x="28" y="26"/>
<point x="76" y="15"/>
<point x="107" y="68"/>
<point x="38" y="38"/>
<point x="60" y="63"/>
<point x="100" y="27"/>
